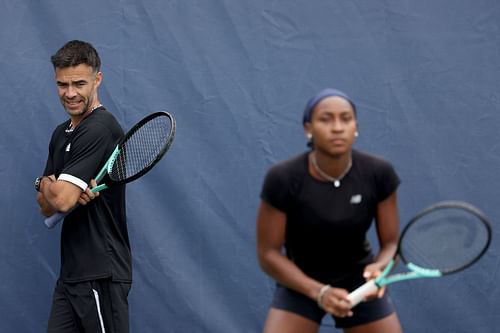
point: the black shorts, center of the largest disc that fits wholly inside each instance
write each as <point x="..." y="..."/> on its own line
<point x="91" y="306"/>
<point x="365" y="312"/>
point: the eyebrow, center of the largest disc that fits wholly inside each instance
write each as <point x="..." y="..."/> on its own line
<point x="341" y="112"/>
<point x="72" y="82"/>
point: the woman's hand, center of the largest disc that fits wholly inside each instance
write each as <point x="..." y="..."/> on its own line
<point x="334" y="301"/>
<point x="372" y="271"/>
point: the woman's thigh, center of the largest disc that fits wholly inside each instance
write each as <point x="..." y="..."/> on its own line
<point x="389" y="324"/>
<point x="280" y="321"/>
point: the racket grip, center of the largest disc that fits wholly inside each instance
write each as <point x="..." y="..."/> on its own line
<point x="358" y="295"/>
<point x="54" y="219"/>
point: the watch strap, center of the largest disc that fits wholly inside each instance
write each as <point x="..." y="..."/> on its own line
<point x="38" y="182"/>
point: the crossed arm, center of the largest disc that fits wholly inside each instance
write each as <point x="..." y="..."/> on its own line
<point x="60" y="196"/>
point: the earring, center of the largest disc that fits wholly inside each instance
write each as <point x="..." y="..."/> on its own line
<point x="309" y="136"/>
<point x="356" y="134"/>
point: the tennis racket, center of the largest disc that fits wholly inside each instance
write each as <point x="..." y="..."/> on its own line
<point x="137" y="153"/>
<point x="444" y="238"/>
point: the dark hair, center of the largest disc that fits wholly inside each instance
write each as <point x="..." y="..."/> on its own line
<point x="74" y="53"/>
<point x="327" y="92"/>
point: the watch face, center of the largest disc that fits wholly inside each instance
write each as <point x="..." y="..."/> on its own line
<point x="37" y="183"/>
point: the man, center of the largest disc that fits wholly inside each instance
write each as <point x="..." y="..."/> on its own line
<point x="96" y="271"/>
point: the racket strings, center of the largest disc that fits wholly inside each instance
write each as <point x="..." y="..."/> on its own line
<point x="446" y="239"/>
<point x="142" y="148"/>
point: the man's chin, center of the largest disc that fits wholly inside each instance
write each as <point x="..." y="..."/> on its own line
<point x="74" y="111"/>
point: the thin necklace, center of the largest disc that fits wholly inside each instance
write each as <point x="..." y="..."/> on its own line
<point x="96" y="107"/>
<point x="335" y="181"/>
<point x="71" y="127"/>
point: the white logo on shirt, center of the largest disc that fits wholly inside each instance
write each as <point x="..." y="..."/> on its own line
<point x="68" y="147"/>
<point x="356" y="199"/>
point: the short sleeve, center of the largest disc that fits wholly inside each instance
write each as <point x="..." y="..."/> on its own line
<point x="275" y="190"/>
<point x="387" y="180"/>
<point x="49" y="165"/>
<point x="89" y="149"/>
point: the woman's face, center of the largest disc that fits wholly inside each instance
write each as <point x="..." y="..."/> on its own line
<point x="333" y="126"/>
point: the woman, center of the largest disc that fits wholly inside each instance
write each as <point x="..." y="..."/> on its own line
<point x="319" y="206"/>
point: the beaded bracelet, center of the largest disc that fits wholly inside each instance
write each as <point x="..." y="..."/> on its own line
<point x="321" y="293"/>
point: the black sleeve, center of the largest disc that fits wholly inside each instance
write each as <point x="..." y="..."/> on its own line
<point x="387" y="180"/>
<point x="89" y="150"/>
<point x="49" y="167"/>
<point x="275" y="189"/>
<point x="57" y="136"/>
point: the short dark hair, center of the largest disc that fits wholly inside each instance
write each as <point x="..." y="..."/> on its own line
<point x="74" y="53"/>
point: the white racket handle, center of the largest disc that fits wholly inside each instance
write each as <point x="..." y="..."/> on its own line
<point x="54" y="219"/>
<point x="358" y="295"/>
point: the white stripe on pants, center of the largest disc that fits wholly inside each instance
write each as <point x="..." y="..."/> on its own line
<point x="96" y="296"/>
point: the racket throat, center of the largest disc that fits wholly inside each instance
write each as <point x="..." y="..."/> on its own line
<point x="417" y="272"/>
<point x="99" y="188"/>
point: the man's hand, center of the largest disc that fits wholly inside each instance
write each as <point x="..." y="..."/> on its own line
<point x="87" y="195"/>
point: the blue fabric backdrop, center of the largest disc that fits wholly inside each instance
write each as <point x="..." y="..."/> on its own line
<point x="236" y="74"/>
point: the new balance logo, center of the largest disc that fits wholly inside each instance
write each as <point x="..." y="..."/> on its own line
<point x="356" y="199"/>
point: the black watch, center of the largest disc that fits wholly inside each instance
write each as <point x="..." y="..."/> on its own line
<point x="38" y="182"/>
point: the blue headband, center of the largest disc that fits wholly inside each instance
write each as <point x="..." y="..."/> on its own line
<point x="328" y="92"/>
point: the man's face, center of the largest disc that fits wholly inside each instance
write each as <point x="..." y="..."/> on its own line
<point x="77" y="88"/>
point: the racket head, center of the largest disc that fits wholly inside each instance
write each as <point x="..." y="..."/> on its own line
<point x="142" y="147"/>
<point x="448" y="236"/>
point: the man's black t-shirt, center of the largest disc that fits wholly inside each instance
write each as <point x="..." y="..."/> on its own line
<point x="94" y="237"/>
<point x="326" y="226"/>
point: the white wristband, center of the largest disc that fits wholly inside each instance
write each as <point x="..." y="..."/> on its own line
<point x="321" y="293"/>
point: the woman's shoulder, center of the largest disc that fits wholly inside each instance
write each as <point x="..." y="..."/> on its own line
<point x="292" y="165"/>
<point x="369" y="159"/>
<point x="283" y="178"/>
<point x="288" y="171"/>
<point x="379" y="170"/>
